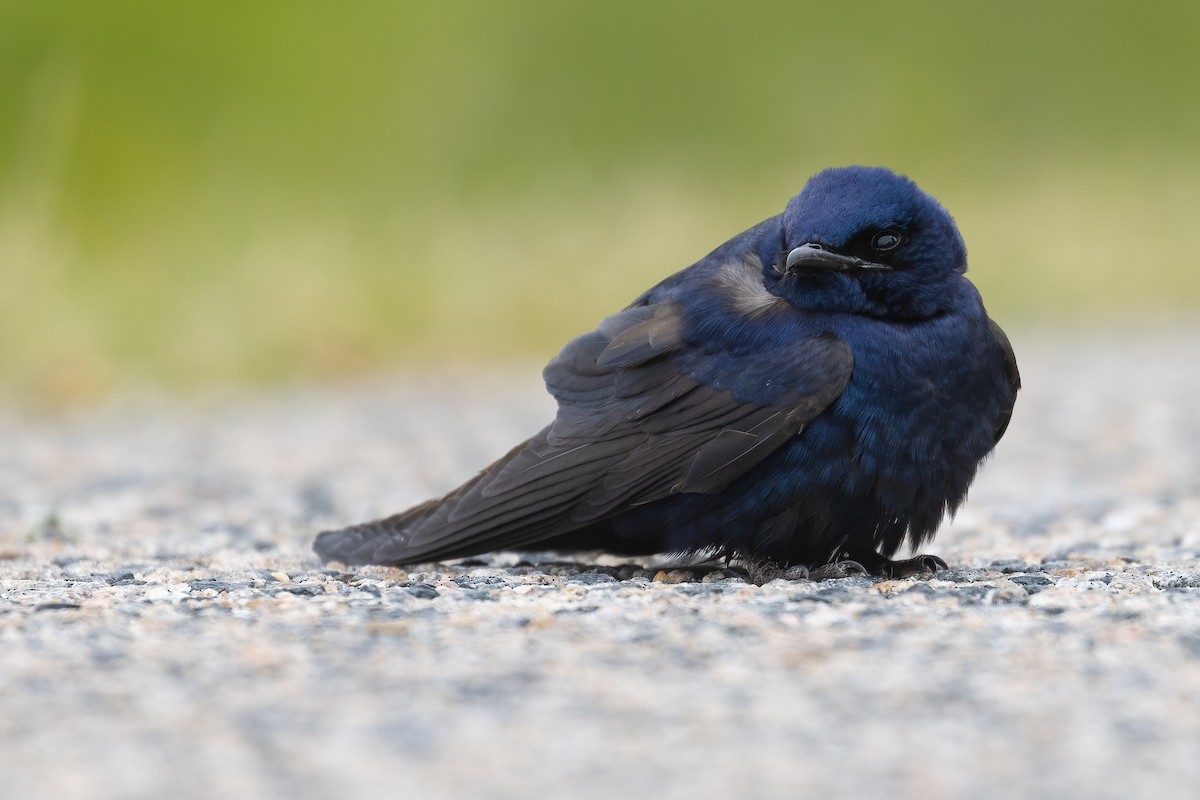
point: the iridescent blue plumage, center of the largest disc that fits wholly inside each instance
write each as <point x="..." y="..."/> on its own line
<point x="823" y="386"/>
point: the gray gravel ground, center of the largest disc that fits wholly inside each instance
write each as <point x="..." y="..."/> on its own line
<point x="165" y="632"/>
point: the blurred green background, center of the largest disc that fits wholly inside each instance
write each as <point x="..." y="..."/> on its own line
<point x="205" y="194"/>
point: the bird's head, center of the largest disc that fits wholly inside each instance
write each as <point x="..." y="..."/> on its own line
<point x="867" y="240"/>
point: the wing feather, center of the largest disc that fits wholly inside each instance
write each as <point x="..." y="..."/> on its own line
<point x="633" y="427"/>
<point x="1010" y="367"/>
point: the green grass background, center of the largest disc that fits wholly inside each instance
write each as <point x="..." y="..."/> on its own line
<point x="205" y="194"/>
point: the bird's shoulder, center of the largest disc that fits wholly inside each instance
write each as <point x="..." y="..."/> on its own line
<point x="755" y="242"/>
<point x="681" y="414"/>
<point x="715" y="327"/>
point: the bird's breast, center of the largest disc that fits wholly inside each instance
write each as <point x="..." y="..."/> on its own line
<point x="923" y="402"/>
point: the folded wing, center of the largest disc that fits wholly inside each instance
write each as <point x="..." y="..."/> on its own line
<point x="633" y="427"/>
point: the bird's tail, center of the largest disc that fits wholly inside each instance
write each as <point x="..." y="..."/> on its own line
<point x="486" y="513"/>
<point x="374" y="542"/>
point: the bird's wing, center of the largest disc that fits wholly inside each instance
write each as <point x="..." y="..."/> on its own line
<point x="632" y="428"/>
<point x="1010" y="368"/>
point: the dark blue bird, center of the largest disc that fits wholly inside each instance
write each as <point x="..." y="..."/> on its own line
<point x="820" y="388"/>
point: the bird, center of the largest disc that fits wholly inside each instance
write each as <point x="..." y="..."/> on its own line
<point x="815" y="393"/>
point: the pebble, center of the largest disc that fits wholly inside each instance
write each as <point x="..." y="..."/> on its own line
<point x="591" y="578"/>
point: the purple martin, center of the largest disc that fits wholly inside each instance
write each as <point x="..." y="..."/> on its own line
<point x="820" y="389"/>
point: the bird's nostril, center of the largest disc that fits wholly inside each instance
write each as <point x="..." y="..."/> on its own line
<point x="815" y="246"/>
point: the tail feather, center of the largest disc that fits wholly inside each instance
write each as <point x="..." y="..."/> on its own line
<point x="467" y="521"/>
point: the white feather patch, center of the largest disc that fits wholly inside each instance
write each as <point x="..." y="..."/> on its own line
<point x="742" y="282"/>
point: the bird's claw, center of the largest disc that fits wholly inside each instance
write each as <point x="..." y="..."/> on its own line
<point x="837" y="569"/>
<point x="918" y="565"/>
<point x="763" y="572"/>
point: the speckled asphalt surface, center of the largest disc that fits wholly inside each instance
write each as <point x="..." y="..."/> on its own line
<point x="165" y="632"/>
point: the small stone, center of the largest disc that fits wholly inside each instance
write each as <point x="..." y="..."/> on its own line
<point x="627" y="571"/>
<point x="1009" y="593"/>
<point x="701" y="588"/>
<point x="57" y="606"/>
<point x="592" y="578"/>
<point x="311" y="590"/>
<point x="217" y="586"/>
<point x="1188" y="581"/>
<point x="561" y="568"/>
<point x="1032" y="584"/>
<point x="422" y="591"/>
<point x="282" y="577"/>
<point x="1011" y="565"/>
<point x="588" y="609"/>
<point x="479" y="581"/>
<point x="961" y="575"/>
<point x="722" y="575"/>
<point x="390" y="574"/>
<point x="971" y="595"/>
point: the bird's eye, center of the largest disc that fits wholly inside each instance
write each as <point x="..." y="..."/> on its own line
<point x="886" y="240"/>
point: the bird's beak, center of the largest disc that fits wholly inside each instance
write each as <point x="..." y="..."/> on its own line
<point x="815" y="255"/>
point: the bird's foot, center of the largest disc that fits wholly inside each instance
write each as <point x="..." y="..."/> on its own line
<point x="763" y="572"/>
<point x="923" y="564"/>
<point x="837" y="569"/>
